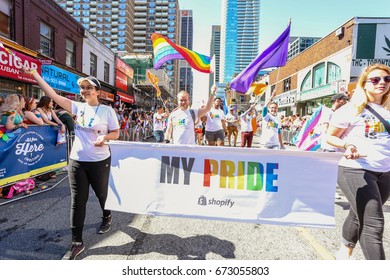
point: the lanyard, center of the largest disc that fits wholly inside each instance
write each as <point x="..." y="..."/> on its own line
<point x="92" y="119"/>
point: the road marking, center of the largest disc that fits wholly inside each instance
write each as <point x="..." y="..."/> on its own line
<point x="321" y="251"/>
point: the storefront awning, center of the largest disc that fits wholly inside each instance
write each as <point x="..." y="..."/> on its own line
<point x="126" y="98"/>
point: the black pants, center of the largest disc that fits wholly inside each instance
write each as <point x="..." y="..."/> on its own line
<point x="81" y="175"/>
<point x="366" y="192"/>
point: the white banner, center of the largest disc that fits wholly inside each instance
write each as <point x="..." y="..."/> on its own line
<point x="237" y="184"/>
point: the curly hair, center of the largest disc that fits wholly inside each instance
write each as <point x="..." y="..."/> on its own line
<point x="359" y="98"/>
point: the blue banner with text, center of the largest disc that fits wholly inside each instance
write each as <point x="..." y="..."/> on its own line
<point x="29" y="152"/>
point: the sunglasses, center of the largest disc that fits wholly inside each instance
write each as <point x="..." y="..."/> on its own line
<point x="376" y="80"/>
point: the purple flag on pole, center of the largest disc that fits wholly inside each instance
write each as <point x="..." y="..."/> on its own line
<point x="274" y="56"/>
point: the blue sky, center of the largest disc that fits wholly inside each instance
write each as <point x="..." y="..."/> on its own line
<point x="309" y="18"/>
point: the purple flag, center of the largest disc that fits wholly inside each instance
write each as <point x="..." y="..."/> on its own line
<point x="274" y="56"/>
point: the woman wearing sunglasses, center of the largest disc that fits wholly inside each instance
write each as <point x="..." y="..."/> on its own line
<point x="90" y="159"/>
<point x="361" y="129"/>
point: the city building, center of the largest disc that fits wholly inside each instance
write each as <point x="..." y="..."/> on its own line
<point x="112" y="21"/>
<point x="239" y="36"/>
<point x="55" y="50"/>
<point x="215" y="53"/>
<point x="186" y="40"/>
<point x="299" y="44"/>
<point x="332" y="65"/>
<point x="161" y="17"/>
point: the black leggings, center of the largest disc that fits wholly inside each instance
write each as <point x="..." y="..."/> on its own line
<point x="366" y="192"/>
<point x="81" y="175"/>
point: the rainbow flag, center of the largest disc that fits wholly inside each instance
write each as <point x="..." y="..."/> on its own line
<point x="164" y="50"/>
<point x="307" y="139"/>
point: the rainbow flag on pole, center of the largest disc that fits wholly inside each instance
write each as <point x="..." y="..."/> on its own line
<point x="164" y="50"/>
<point x="308" y="139"/>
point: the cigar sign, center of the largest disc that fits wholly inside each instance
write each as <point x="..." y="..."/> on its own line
<point x="10" y="66"/>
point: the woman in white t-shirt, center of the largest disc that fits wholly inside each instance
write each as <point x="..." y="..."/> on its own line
<point x="364" y="171"/>
<point x="90" y="159"/>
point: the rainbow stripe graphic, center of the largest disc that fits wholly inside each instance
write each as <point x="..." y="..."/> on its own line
<point x="307" y="139"/>
<point x="164" y="50"/>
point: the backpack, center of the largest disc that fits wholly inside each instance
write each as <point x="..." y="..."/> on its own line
<point x="21" y="186"/>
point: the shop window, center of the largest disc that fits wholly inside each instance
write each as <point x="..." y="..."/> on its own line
<point x="93" y="65"/>
<point x="70" y="53"/>
<point x="306" y="84"/>
<point x="319" y="75"/>
<point x="334" y="72"/>
<point x="46" y="40"/>
<point x="287" y="85"/>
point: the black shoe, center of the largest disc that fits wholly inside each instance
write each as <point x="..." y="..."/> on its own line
<point x="105" y="225"/>
<point x="74" y="250"/>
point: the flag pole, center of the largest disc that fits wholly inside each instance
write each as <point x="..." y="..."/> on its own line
<point x="277" y="75"/>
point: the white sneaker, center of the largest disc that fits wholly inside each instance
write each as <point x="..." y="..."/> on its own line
<point x="342" y="254"/>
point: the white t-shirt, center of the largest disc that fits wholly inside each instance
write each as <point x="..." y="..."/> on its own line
<point x="183" y="126"/>
<point x="270" y="129"/>
<point x="214" y="119"/>
<point x="230" y="118"/>
<point x="158" y="122"/>
<point x="91" y="122"/>
<point x="246" y="122"/>
<point x="368" y="134"/>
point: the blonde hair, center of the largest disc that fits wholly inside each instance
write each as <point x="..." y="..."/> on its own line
<point x="183" y="92"/>
<point x="359" y="98"/>
<point x="11" y="103"/>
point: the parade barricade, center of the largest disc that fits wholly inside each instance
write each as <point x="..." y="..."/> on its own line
<point x="31" y="152"/>
<point x="288" y="135"/>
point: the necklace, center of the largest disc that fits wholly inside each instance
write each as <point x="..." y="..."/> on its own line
<point x="92" y="119"/>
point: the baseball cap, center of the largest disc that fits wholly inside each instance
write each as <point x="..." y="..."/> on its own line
<point x="338" y="97"/>
<point x="92" y="80"/>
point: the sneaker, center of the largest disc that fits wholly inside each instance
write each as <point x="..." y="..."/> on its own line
<point x="105" y="225"/>
<point x="74" y="250"/>
<point x="342" y="254"/>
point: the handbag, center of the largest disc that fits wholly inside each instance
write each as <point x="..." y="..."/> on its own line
<point x="379" y="117"/>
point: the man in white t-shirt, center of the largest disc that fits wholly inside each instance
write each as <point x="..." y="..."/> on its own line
<point x="271" y="133"/>
<point x="215" y="124"/>
<point x="159" y="124"/>
<point x="181" y="122"/>
<point x="232" y="121"/>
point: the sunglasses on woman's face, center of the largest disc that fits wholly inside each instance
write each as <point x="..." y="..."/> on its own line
<point x="376" y="80"/>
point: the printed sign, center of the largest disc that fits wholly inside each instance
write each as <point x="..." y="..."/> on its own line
<point x="60" y="79"/>
<point x="247" y="185"/>
<point x="30" y="152"/>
